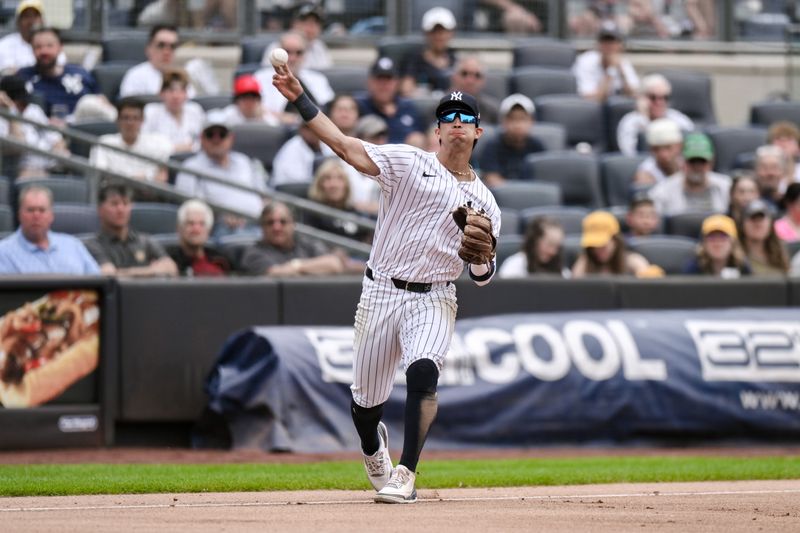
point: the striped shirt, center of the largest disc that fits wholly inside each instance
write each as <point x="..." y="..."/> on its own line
<point x="416" y="238"/>
<point x="64" y="255"/>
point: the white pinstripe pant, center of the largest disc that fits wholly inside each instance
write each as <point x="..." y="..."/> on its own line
<point x="395" y="325"/>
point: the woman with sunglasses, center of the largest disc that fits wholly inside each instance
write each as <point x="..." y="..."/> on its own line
<point x="413" y="260"/>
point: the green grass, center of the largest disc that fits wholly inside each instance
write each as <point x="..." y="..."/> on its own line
<point x="19" y="480"/>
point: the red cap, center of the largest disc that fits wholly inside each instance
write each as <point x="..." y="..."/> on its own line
<point x="246" y="84"/>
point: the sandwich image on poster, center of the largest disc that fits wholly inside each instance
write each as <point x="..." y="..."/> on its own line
<point x="47" y="345"/>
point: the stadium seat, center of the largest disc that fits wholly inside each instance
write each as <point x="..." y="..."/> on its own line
<point x="543" y="53"/>
<point x="425" y="107"/>
<point x="253" y="47"/>
<point x="577" y="174"/>
<point x="553" y="136"/>
<point x="295" y="189"/>
<point x="667" y="251"/>
<point x="496" y="83"/>
<point x="65" y="189"/>
<point x="260" y="141"/>
<point x="245" y="68"/>
<point x="398" y="47"/>
<point x="6" y="219"/>
<point x="686" y="224"/>
<point x="731" y="142"/>
<point x="213" y="101"/>
<point x="75" y="219"/>
<point x="235" y="245"/>
<point x="109" y="77"/>
<point x="616" y="177"/>
<point x="124" y="47"/>
<point x="764" y="27"/>
<point x="582" y="119"/>
<point x="347" y="79"/>
<point x="177" y="158"/>
<point x="510" y="221"/>
<point x="5" y="191"/>
<point x="98" y="128"/>
<point x="508" y="245"/>
<point x="765" y="113"/>
<point x="154" y="218"/>
<point x="534" y="82"/>
<point x="525" y="194"/>
<point x="570" y="218"/>
<point x="616" y="107"/>
<point x="691" y="94"/>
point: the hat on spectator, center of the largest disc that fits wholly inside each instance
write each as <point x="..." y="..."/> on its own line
<point x="16" y="88"/>
<point x="384" y="66"/>
<point x="758" y="207"/>
<point x="720" y="223"/>
<point x="309" y="10"/>
<point x="698" y="146"/>
<point x="30" y="4"/>
<point x="609" y="31"/>
<point x="458" y="101"/>
<point x="599" y="227"/>
<point x="94" y="107"/>
<point x="513" y="100"/>
<point x="370" y="126"/>
<point x="246" y="84"/>
<point x="215" y="118"/>
<point x="663" y="132"/>
<point x="438" y="16"/>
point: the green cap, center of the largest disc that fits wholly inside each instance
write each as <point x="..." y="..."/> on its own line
<point x="698" y="146"/>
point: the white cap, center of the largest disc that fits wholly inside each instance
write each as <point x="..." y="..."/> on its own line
<point x="516" y="99"/>
<point x="662" y="132"/>
<point x="215" y="117"/>
<point x="438" y="16"/>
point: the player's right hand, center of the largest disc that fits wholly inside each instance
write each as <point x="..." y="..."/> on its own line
<point x="286" y="83"/>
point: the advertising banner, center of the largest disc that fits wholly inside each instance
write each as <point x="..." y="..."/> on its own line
<point x="525" y="379"/>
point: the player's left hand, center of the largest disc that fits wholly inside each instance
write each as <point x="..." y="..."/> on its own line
<point x="286" y="83"/>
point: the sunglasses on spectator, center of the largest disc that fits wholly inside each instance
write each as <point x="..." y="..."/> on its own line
<point x="215" y="132"/>
<point x="466" y="118"/>
<point x="274" y="221"/>
<point x="655" y="97"/>
<point x="467" y="73"/>
<point x="164" y="44"/>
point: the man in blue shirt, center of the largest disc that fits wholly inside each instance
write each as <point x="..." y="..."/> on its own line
<point x="34" y="249"/>
<point x="61" y="85"/>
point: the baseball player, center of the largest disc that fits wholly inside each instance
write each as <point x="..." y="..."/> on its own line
<point x="435" y="214"/>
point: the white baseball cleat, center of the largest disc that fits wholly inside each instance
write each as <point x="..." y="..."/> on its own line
<point x="379" y="464"/>
<point x="400" y="488"/>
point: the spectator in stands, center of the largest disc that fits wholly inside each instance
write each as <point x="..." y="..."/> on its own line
<point x="469" y="76"/>
<point x="428" y="70"/>
<point x="541" y="251"/>
<point x="786" y="135"/>
<point x="216" y="157"/>
<point x="282" y="252"/>
<point x="604" y="250"/>
<point x="175" y="117"/>
<point x="744" y="189"/>
<point x="61" y="86"/>
<point x="773" y="173"/>
<point x="652" y="104"/>
<point x="696" y="187"/>
<point x="148" y="77"/>
<point x="314" y="83"/>
<point x="664" y="141"/>
<point x="193" y="255"/>
<point x="130" y="116"/>
<point x="642" y="218"/>
<point x="765" y="252"/>
<point x="246" y="106"/>
<point x="16" y="51"/>
<point x="719" y="252"/>
<point x="15" y="98"/>
<point x="605" y="71"/>
<point x="331" y="188"/>
<point x="294" y="162"/>
<point x="788" y="226"/>
<point x="343" y="112"/>
<point x="34" y="249"/>
<point x="514" y="17"/>
<point x="308" y="21"/>
<point x="503" y="157"/>
<point x="382" y="99"/>
<point x="120" y="250"/>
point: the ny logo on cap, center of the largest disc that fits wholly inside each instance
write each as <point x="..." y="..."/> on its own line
<point x="456" y="95"/>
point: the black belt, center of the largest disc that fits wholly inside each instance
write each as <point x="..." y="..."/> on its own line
<point x="405" y="285"/>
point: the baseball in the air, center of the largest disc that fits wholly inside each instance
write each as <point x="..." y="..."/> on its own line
<point x="278" y="57"/>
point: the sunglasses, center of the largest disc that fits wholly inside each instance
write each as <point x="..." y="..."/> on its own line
<point x="163" y="44"/>
<point x="274" y="221"/>
<point x="655" y="97"/>
<point x="467" y="73"/>
<point x="466" y="118"/>
<point x="215" y="132"/>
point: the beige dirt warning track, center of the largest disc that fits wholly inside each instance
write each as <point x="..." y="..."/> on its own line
<point x="704" y="507"/>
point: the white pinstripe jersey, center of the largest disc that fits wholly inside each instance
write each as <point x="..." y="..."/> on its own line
<point x="416" y="238"/>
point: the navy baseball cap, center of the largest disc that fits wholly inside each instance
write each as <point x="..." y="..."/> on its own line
<point x="458" y="101"/>
<point x="384" y="66"/>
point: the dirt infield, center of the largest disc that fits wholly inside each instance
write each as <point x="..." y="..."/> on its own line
<point x="703" y="507"/>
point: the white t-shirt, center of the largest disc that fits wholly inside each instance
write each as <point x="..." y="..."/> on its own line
<point x="40" y="138"/>
<point x="158" y="120"/>
<point x="144" y="78"/>
<point x="294" y="162"/>
<point x="314" y="82"/>
<point x="634" y="123"/>
<point x="15" y="53"/>
<point x="240" y="169"/>
<point x="233" y="116"/>
<point x="150" y="144"/>
<point x="588" y="71"/>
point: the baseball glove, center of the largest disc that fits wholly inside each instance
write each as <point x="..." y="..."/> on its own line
<point x="477" y="243"/>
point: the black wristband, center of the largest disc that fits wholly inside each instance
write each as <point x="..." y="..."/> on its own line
<point x="307" y="109"/>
